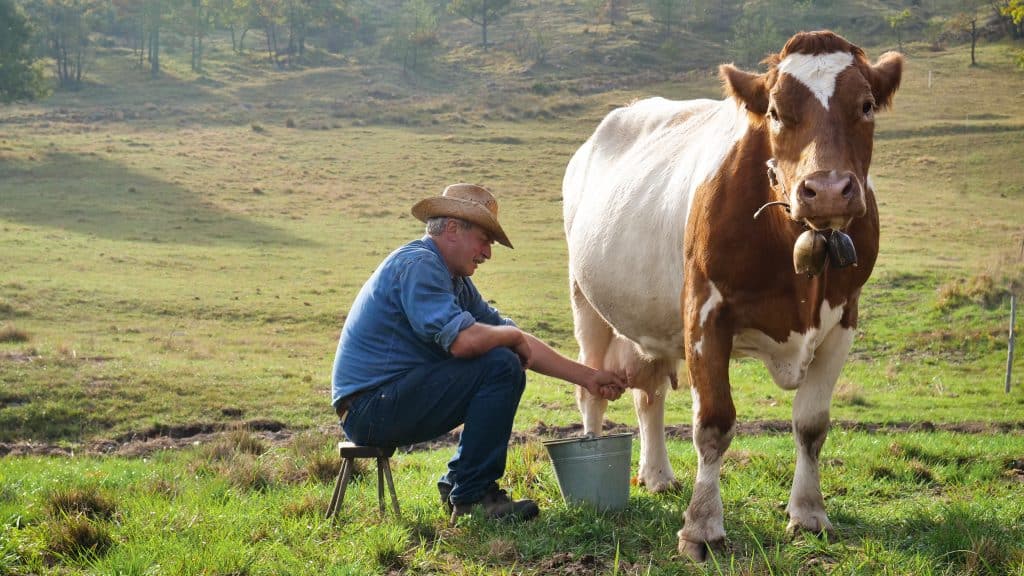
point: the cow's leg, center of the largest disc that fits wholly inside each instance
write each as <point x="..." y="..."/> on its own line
<point x="651" y="386"/>
<point x="593" y="336"/>
<point x="708" y="346"/>
<point x="810" y="426"/>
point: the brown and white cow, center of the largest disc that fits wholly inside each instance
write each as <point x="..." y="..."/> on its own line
<point x="666" y="260"/>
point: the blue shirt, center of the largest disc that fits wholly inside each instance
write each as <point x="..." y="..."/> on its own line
<point x="406" y="315"/>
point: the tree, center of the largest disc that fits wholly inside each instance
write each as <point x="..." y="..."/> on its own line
<point x="66" y="25"/>
<point x="202" y="20"/>
<point x="666" y="13"/>
<point x="966" y="23"/>
<point x="152" y="18"/>
<point x="896" y="22"/>
<point x="20" y="77"/>
<point x="483" y="13"/>
<point x="757" y="33"/>
<point x="1014" y="11"/>
<point x="415" y="33"/>
<point x="610" y="11"/>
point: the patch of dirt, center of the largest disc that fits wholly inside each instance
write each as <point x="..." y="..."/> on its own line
<point x="18" y="357"/>
<point x="1015" y="469"/>
<point x="275" y="433"/>
<point x="568" y="564"/>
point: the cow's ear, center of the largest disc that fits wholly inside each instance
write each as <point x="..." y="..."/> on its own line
<point x="885" y="77"/>
<point x="746" y="87"/>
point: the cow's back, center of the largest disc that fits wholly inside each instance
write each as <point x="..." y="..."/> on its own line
<point x="627" y="193"/>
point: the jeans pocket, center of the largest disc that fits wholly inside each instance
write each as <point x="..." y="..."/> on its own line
<point x="359" y="422"/>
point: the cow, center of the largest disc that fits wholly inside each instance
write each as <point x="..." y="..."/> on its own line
<point x="667" y="262"/>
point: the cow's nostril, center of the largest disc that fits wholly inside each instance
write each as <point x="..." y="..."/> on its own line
<point x="848" y="189"/>
<point x="808" y="192"/>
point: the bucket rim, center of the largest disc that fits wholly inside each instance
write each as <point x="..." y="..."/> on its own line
<point x="583" y="439"/>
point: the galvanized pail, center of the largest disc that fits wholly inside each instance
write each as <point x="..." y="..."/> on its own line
<point x="593" y="471"/>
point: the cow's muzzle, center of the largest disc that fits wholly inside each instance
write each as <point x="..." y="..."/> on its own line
<point x="828" y="199"/>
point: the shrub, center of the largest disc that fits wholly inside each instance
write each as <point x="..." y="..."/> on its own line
<point x="77" y="536"/>
<point x="10" y="333"/>
<point x="982" y="290"/>
<point x="79" y="501"/>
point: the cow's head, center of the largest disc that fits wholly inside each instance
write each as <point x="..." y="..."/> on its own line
<point x="817" y="104"/>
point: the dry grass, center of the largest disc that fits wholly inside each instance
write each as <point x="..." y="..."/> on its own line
<point x="88" y="501"/>
<point x="12" y="334"/>
<point x="77" y="536"/>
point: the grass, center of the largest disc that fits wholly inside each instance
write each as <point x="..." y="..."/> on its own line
<point x="179" y="256"/>
<point x="931" y="503"/>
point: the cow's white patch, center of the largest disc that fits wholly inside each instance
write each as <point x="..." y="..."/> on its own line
<point x="788" y="361"/>
<point x="714" y="299"/>
<point x="817" y="71"/>
<point x="645" y="163"/>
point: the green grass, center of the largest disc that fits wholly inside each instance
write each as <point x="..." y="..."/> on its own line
<point x="178" y="257"/>
<point x="922" y="503"/>
<point x="167" y="270"/>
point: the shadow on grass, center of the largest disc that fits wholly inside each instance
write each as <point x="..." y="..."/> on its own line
<point x="94" y="196"/>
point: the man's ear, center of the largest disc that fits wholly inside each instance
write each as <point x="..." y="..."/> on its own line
<point x="451" y="228"/>
<point x="745" y="87"/>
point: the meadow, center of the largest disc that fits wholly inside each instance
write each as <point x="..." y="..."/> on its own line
<point x="178" y="256"/>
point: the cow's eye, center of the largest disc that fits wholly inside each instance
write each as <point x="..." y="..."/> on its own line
<point x="773" y="114"/>
<point x="868" y="109"/>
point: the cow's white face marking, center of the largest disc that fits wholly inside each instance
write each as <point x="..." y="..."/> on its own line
<point x="714" y="299"/>
<point x="817" y="71"/>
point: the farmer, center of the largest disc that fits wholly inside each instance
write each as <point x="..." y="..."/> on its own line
<point x="422" y="352"/>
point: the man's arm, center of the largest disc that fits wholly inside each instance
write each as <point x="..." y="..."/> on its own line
<point x="479" y="339"/>
<point x="548" y="361"/>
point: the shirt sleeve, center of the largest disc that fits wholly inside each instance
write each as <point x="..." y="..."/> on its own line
<point x="429" y="303"/>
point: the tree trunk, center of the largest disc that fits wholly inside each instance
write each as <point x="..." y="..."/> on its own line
<point x="154" y="51"/>
<point x="483" y="26"/>
<point x="974" y="41"/>
<point x="78" y="67"/>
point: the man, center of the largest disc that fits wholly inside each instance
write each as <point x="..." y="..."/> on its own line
<point x="422" y="352"/>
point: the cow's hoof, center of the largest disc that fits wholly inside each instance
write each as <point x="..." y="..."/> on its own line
<point x="659" y="485"/>
<point x="698" y="551"/>
<point x="817" y="524"/>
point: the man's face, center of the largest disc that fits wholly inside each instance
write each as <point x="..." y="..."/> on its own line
<point x="471" y="248"/>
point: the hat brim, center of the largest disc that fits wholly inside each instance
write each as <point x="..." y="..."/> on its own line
<point x="444" y="206"/>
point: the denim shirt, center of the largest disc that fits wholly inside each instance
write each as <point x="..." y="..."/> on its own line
<point x="407" y="314"/>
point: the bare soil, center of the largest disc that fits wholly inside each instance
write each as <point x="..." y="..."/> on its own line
<point x="275" y="433"/>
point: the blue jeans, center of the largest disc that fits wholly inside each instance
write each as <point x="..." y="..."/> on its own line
<point x="481" y="393"/>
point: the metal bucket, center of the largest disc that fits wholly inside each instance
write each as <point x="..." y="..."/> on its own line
<point x="593" y="471"/>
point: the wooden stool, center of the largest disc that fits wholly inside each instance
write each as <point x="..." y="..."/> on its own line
<point x="349" y="452"/>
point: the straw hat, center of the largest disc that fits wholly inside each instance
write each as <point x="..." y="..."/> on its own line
<point x="467" y="202"/>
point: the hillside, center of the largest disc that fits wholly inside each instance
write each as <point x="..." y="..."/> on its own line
<point x="541" y="58"/>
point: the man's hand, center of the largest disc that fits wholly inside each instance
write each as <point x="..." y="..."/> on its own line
<point x="525" y="353"/>
<point x="607" y="385"/>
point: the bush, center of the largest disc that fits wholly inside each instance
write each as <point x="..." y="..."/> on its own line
<point x="982" y="290"/>
<point x="10" y="333"/>
<point x="80" y="501"/>
<point x="77" y="536"/>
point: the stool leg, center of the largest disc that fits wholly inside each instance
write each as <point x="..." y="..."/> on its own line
<point x="391" y="485"/>
<point x="380" y="486"/>
<point x="344" y="474"/>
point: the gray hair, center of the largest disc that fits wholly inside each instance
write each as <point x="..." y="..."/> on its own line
<point x="436" y="224"/>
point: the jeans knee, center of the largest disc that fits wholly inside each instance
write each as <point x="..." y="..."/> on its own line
<point x="504" y="366"/>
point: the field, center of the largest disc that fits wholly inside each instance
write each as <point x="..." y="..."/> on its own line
<point x="178" y="257"/>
